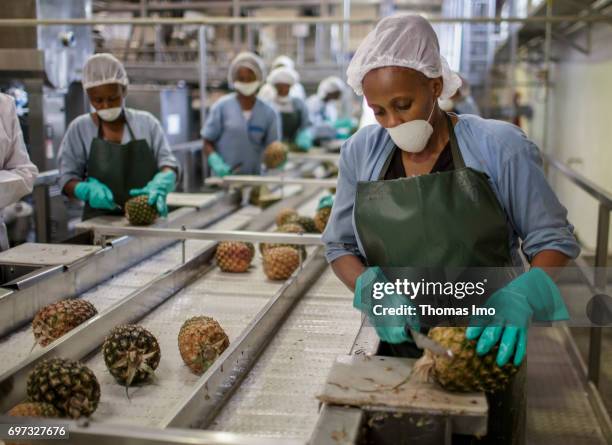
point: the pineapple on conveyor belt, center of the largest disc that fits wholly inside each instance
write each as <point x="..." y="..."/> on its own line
<point x="275" y="155"/>
<point x="286" y="228"/>
<point x="34" y="409"/>
<point x="306" y="222"/>
<point x="261" y="196"/>
<point x="131" y="354"/>
<point x="68" y="385"/>
<point x="280" y="262"/>
<point x="466" y="371"/>
<point x="285" y="215"/>
<point x="201" y="340"/>
<point x="321" y="218"/>
<point x="138" y="211"/>
<point x="54" y="320"/>
<point x="234" y="256"/>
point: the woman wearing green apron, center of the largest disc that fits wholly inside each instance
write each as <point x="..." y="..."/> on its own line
<point x="295" y="122"/>
<point x="429" y="189"/>
<point x="114" y="153"/>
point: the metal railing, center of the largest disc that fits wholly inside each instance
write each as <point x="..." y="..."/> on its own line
<point x="597" y="281"/>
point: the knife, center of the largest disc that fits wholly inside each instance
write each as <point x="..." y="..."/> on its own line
<point x="424" y="342"/>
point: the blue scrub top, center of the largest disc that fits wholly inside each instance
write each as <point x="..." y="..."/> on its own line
<point x="535" y="218"/>
<point x="239" y="141"/>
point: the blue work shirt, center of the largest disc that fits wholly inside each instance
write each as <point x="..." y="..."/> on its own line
<point x="238" y="141"/>
<point x="322" y="117"/>
<point x="534" y="215"/>
<point x="76" y="144"/>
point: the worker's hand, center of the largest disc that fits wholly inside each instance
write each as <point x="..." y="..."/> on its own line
<point x="218" y="165"/>
<point x="326" y="201"/>
<point x="96" y="194"/>
<point x="533" y="295"/>
<point x="157" y="190"/>
<point x="390" y="328"/>
<point x="304" y="140"/>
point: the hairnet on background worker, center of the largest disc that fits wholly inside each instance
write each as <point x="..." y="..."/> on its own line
<point x="268" y="92"/>
<point x="323" y="108"/>
<point x="293" y="113"/>
<point x="487" y="199"/>
<point x="240" y="126"/>
<point x="115" y="152"/>
<point x="17" y="173"/>
<point x="462" y="101"/>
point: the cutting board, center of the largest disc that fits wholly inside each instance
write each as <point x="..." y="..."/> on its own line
<point x="362" y="380"/>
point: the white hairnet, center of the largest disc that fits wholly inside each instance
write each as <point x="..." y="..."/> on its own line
<point x="248" y="60"/>
<point x="402" y="40"/>
<point x="103" y="69"/>
<point x="283" y="75"/>
<point x="330" y="85"/>
<point x="283" y="61"/>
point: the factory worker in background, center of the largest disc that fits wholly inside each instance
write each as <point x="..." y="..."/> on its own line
<point x="424" y="188"/>
<point x="324" y="109"/>
<point x="17" y="173"/>
<point x="240" y="126"/>
<point x="462" y="101"/>
<point x="293" y="113"/>
<point x="268" y="92"/>
<point x="114" y="153"/>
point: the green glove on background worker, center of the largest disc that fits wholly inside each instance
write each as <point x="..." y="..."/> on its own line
<point x="218" y="165"/>
<point x="96" y="194"/>
<point x="304" y="139"/>
<point x="157" y="190"/>
<point x="532" y="295"/>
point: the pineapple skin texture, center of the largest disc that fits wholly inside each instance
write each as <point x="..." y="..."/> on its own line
<point x="275" y="154"/>
<point x="138" y="211"/>
<point x="280" y="262"/>
<point x="321" y="218"/>
<point x="56" y="319"/>
<point x="201" y="340"/>
<point x="120" y="342"/>
<point x="466" y="371"/>
<point x="234" y="256"/>
<point x="34" y="409"/>
<point x="71" y="387"/>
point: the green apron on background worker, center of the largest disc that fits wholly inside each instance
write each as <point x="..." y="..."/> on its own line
<point x="99" y="164"/>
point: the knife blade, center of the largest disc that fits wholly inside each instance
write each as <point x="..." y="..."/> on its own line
<point x="424" y="342"/>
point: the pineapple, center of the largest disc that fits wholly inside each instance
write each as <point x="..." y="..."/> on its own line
<point x="321" y="218"/>
<point x="286" y="228"/>
<point x="280" y="262"/>
<point x="34" y="409"/>
<point x="138" y="211"/>
<point x="131" y="354"/>
<point x="201" y="340"/>
<point x="68" y="385"/>
<point x="285" y="216"/>
<point x="307" y="223"/>
<point x="261" y="196"/>
<point x="275" y="155"/>
<point x="466" y="371"/>
<point x="234" y="256"/>
<point x="54" y="320"/>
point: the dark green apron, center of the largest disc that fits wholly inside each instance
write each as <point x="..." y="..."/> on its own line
<point x="121" y="167"/>
<point x="441" y="220"/>
<point x="290" y="124"/>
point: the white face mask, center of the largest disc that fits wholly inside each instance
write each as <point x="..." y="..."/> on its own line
<point x="246" y="88"/>
<point x="412" y="136"/>
<point x="283" y="100"/>
<point x="110" y="114"/>
<point x="446" y="104"/>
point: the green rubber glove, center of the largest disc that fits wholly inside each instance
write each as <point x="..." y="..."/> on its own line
<point x="157" y="189"/>
<point x="390" y="328"/>
<point x="533" y="295"/>
<point x="304" y="140"/>
<point x="326" y="201"/>
<point x="344" y="123"/>
<point x="218" y="165"/>
<point x="96" y="194"/>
